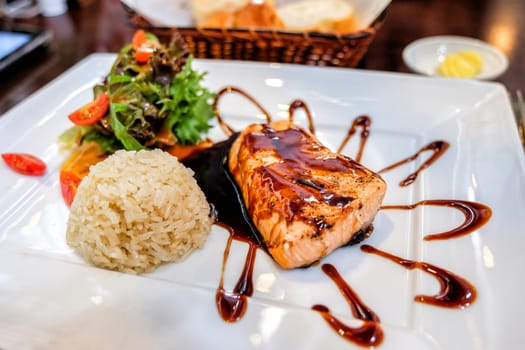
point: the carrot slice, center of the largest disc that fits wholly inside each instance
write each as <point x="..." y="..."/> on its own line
<point x="76" y="167"/>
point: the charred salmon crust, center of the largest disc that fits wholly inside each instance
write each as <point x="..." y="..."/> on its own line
<point x="304" y="199"/>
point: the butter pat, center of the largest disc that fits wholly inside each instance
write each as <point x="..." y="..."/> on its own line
<point x="463" y="64"/>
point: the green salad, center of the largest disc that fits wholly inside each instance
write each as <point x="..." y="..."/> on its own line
<point x="151" y="98"/>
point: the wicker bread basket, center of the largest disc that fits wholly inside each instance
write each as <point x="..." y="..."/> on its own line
<point x="310" y="48"/>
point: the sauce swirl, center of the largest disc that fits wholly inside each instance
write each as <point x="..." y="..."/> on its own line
<point x="370" y="333"/>
<point x="295" y="105"/>
<point x="438" y="148"/>
<point x="226" y="128"/>
<point x="232" y="305"/>
<point x="455" y="292"/>
<point x="476" y="215"/>
<point x="364" y="123"/>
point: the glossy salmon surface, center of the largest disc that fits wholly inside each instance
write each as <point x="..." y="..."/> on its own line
<point x="304" y="199"/>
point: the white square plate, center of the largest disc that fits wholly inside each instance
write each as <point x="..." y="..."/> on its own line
<point x="50" y="298"/>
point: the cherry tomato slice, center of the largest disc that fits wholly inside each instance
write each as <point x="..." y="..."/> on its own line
<point x="139" y="38"/>
<point x="69" y="182"/>
<point x="25" y="164"/>
<point x="142" y="55"/>
<point x="143" y="48"/>
<point x="92" y="112"/>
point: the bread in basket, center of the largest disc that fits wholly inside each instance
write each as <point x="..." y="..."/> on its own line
<point x="315" y="45"/>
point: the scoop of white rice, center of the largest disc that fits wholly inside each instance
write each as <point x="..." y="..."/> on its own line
<point x="137" y="210"/>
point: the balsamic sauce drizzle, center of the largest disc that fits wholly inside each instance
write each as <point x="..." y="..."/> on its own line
<point x="220" y="189"/>
<point x="295" y="105"/>
<point x="212" y="175"/>
<point x="227" y="129"/>
<point x="455" y="292"/>
<point x="370" y="332"/>
<point x="232" y="305"/>
<point x="438" y="148"/>
<point x="476" y="215"/>
<point x="364" y="123"/>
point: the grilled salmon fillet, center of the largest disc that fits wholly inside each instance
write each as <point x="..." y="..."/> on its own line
<point x="304" y="199"/>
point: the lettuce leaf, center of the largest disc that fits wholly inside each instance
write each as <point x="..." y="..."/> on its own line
<point x="154" y="104"/>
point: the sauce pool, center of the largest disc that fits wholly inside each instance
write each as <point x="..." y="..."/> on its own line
<point x="213" y="178"/>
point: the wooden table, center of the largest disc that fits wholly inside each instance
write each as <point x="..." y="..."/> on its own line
<point x="102" y="26"/>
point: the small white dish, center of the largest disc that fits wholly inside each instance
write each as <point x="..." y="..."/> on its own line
<point x="423" y="56"/>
